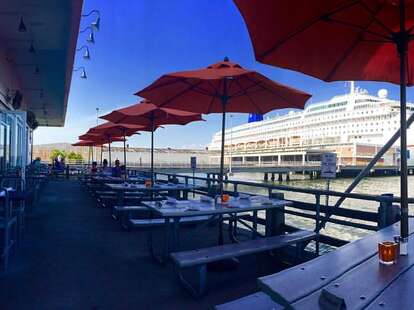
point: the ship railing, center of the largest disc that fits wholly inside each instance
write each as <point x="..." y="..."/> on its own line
<point x="310" y="208"/>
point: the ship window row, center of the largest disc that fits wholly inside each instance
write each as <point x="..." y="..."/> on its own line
<point x="366" y="100"/>
<point x="326" y="128"/>
<point x="328" y="106"/>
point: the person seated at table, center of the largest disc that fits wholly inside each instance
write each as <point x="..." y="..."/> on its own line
<point x="105" y="170"/>
<point x="36" y="165"/>
<point x="116" y="170"/>
<point x="94" y="168"/>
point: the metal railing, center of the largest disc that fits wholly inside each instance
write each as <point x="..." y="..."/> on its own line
<point x="309" y="209"/>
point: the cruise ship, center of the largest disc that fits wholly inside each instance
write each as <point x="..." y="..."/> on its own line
<point x="354" y="126"/>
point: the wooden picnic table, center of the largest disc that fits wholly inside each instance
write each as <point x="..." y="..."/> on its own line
<point x="351" y="275"/>
<point x="121" y="188"/>
<point x="173" y="215"/>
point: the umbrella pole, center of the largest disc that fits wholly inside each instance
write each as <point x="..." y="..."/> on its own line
<point x="101" y="154"/>
<point x="110" y="161"/>
<point x="152" y="151"/>
<point x="223" y="128"/>
<point x="402" y="45"/>
<point x="125" y="158"/>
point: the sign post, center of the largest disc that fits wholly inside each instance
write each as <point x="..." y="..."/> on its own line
<point x="193" y="167"/>
<point x="328" y="171"/>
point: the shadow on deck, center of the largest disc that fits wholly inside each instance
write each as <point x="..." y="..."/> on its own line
<point x="74" y="256"/>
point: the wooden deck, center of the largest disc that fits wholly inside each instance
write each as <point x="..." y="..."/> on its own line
<point x="75" y="256"/>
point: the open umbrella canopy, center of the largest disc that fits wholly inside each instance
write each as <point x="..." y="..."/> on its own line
<point x="341" y="40"/>
<point x="147" y="114"/>
<point x="222" y="87"/>
<point x="112" y="129"/>
<point x="87" y="143"/>
<point x="331" y="40"/>
<point x="203" y="91"/>
<point x="100" y="138"/>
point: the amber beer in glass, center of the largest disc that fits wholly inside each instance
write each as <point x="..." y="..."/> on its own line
<point x="387" y="252"/>
<point x="225" y="198"/>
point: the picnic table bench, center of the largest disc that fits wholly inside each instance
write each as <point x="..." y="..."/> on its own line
<point x="350" y="276"/>
<point x="201" y="257"/>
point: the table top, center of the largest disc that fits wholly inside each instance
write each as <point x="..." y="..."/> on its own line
<point x="108" y="178"/>
<point x="142" y="188"/>
<point x="198" y="208"/>
<point x="352" y="273"/>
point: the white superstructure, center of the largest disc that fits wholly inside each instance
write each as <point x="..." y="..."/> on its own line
<point x="353" y="125"/>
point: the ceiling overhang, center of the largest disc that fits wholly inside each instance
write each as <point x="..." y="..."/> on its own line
<point x="38" y="62"/>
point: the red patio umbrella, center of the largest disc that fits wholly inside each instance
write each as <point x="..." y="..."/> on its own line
<point x="340" y="40"/>
<point x="90" y="144"/>
<point x="220" y="88"/>
<point x="86" y="143"/>
<point x="147" y="114"/>
<point x="102" y="139"/>
<point x="112" y="129"/>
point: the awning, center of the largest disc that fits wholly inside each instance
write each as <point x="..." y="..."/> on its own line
<point x="37" y="57"/>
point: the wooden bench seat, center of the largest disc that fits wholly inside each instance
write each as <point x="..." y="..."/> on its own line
<point x="254" y="301"/>
<point x="199" y="258"/>
<point x="142" y="223"/>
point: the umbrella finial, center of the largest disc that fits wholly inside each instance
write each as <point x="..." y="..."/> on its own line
<point x="226" y="59"/>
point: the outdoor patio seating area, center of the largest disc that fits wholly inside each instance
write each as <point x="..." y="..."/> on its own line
<point x="75" y="255"/>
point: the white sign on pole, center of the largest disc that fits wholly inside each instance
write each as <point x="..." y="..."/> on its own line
<point x="328" y="165"/>
<point x="193" y="162"/>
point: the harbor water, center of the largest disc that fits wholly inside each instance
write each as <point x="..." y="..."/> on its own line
<point x="369" y="185"/>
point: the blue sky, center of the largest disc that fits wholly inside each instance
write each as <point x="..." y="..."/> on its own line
<point x="140" y="40"/>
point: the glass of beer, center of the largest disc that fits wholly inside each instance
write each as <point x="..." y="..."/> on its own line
<point x="387" y="252"/>
<point x="225" y="198"/>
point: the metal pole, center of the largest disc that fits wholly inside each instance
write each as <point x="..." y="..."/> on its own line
<point x="231" y="142"/>
<point x="124" y="152"/>
<point x="31" y="146"/>
<point x="109" y="155"/>
<point x="152" y="148"/>
<point x="125" y="165"/>
<point x="101" y="154"/>
<point x="224" y="99"/>
<point x="402" y="45"/>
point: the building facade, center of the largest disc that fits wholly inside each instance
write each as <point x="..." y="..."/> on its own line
<point x="37" y="50"/>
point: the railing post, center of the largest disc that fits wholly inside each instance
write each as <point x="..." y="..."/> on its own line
<point x="186" y="180"/>
<point x="235" y="188"/>
<point x="275" y="218"/>
<point x="388" y="213"/>
<point x="317" y="220"/>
